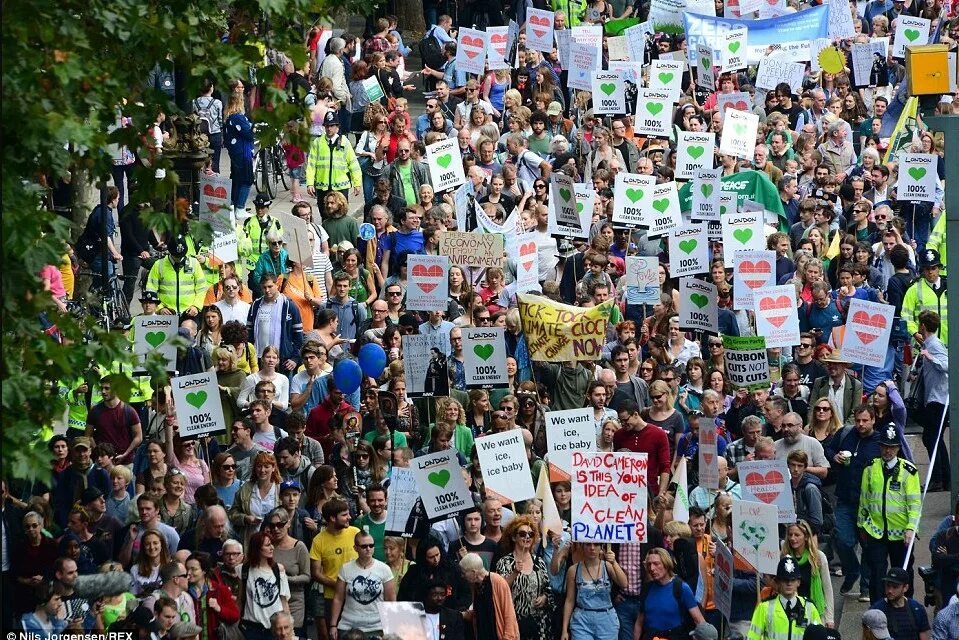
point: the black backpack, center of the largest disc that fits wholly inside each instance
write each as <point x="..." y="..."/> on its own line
<point x="431" y="52"/>
<point x="90" y="243"/>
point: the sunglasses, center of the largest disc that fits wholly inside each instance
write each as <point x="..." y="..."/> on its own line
<point x="362" y="455"/>
<point x="524" y="534"/>
<point x="393" y="293"/>
<point x="659" y="396"/>
<point x="228" y="467"/>
<point x="805" y="345"/>
<point x="365" y="546"/>
<point x="827" y="409"/>
<point x="715" y="345"/>
<point x="279" y="524"/>
<point x="669" y="379"/>
<point x="231" y="287"/>
<point x="645" y="368"/>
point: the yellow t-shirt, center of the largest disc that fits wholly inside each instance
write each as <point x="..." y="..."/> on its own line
<point x="333" y="551"/>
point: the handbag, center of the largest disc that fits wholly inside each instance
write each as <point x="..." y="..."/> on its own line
<point x="229" y="632"/>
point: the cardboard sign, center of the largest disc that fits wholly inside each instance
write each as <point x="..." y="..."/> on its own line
<point x="756" y="534"/>
<point x="215" y="202"/>
<point x="609" y="497"/>
<point x="867" y="332"/>
<point x="910" y="32"/>
<point x="742" y="232"/>
<point x="705" y="68"/>
<point x="688" y="250"/>
<point x="154" y="334"/>
<point x="592" y="35"/>
<point x="695" y="153"/>
<point x="568" y="432"/>
<point x="402" y="503"/>
<point x="199" y="410"/>
<point x="526" y="258"/>
<point x="747" y="364"/>
<point x="539" y="30"/>
<point x="427" y="371"/>
<point x="226" y="247"/>
<point x="752" y="271"/>
<point x="918" y="177"/>
<point x="506" y="473"/>
<point x="737" y="100"/>
<point x="632" y="194"/>
<point x="441" y="485"/>
<point x="776" y="315"/>
<point x="767" y="481"/>
<point x="471" y="47"/>
<point x="642" y="278"/>
<point x="484" y="358"/>
<point x="496" y="51"/>
<point x="296" y="236"/>
<point x="776" y="69"/>
<point x="582" y="61"/>
<point x="446" y="164"/>
<point x="428" y="288"/>
<point x="841" y="25"/>
<point x="585" y="196"/>
<point x="609" y="94"/>
<point x="639" y="38"/>
<point x="698" y="308"/>
<point x="472" y="250"/>
<point x="665" y="215"/>
<point x="706" y="191"/>
<point x="654" y="113"/>
<point x="561" y="333"/>
<point x="681" y="501"/>
<point x="723" y="579"/>
<point x="616" y="48"/>
<point x="667" y="75"/>
<point x="739" y="134"/>
<point x="708" y="455"/>
<point x="563" y="39"/>
<point x="563" y="199"/>
<point x="733" y="50"/>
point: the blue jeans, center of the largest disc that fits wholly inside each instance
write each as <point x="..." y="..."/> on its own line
<point x="846" y="539"/>
<point x="368" y="184"/>
<point x="627" y="610"/>
<point x="240" y="194"/>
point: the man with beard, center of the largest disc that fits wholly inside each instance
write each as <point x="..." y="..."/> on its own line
<point x="793" y="439"/>
<point x="492" y="614"/>
<point x="441" y="621"/>
<point x="810" y="369"/>
<point x="332" y="548"/>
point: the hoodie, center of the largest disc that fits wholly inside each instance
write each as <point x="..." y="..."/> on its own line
<point x="808" y="499"/>
<point x="302" y="474"/>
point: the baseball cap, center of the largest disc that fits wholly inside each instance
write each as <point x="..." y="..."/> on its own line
<point x="90" y="494"/>
<point x="875" y="621"/>
<point x="82" y="441"/>
<point x="896" y="575"/>
<point x="554" y="109"/>
<point x="290" y="485"/>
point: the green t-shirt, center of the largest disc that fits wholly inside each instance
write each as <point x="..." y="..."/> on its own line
<point x="406" y="177"/>
<point x="539" y="146"/>
<point x="378" y="531"/>
<point x="399" y="438"/>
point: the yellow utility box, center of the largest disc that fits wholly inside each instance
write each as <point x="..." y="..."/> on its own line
<point x="927" y="69"/>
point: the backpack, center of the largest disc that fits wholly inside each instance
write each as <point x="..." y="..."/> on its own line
<point x="431" y="52"/>
<point x="677" y="585"/>
<point x="205" y="113"/>
<point x="90" y="242"/>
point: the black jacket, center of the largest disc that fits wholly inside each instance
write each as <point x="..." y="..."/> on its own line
<point x="134" y="235"/>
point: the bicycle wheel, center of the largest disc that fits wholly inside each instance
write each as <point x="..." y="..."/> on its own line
<point x="279" y="167"/>
<point x="118" y="305"/>
<point x="264" y="177"/>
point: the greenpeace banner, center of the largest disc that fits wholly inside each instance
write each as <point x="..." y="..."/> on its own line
<point x="747" y="185"/>
<point x="561" y="333"/>
<point x="794" y="27"/>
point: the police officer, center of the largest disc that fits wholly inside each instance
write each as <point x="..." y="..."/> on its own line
<point x="332" y="163"/>
<point x="786" y="615"/>
<point x="889" y="509"/>
<point x="927" y="292"/>
<point x="256" y="228"/>
<point x="179" y="281"/>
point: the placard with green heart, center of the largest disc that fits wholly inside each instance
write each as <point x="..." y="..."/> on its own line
<point x="155" y="338"/>
<point x="661" y="205"/>
<point x="565" y="194"/>
<point x="734" y="46"/>
<point x="196" y="398"/>
<point x="917" y="173"/>
<point x="483" y="351"/>
<point x="634" y="194"/>
<point x="696" y="151"/>
<point x="666" y="78"/>
<point x="439" y="478"/>
<point x="911" y="34"/>
<point x="743" y="235"/>
<point x="654" y="108"/>
<point x="699" y="299"/>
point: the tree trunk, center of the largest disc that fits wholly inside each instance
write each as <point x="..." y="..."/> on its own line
<point x="409" y="14"/>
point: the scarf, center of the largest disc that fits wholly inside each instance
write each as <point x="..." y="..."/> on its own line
<point x="815" y="587"/>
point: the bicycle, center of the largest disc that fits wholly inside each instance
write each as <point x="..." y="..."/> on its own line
<point x="269" y="169"/>
<point x="108" y="306"/>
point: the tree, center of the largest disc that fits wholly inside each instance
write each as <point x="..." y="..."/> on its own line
<point x="68" y="66"/>
<point x="409" y="16"/>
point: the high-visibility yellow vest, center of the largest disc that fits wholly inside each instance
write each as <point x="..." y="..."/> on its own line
<point x="889" y="504"/>
<point x="178" y="288"/>
<point x="332" y="167"/>
<point x="770" y="621"/>
<point x="919" y="297"/>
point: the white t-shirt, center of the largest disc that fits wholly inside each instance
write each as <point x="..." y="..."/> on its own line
<point x="263" y="326"/>
<point x="364" y="588"/>
<point x="238" y="311"/>
<point x="263" y="595"/>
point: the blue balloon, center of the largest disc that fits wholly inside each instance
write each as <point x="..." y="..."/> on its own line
<point x="372" y="359"/>
<point x="347" y="376"/>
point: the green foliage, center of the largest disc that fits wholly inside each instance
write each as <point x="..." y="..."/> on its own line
<point x="67" y="67"/>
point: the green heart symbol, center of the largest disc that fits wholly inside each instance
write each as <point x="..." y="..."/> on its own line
<point x="654" y="107"/>
<point x="484" y="351"/>
<point x="699" y="299"/>
<point x="661" y="205"/>
<point x="696" y="152"/>
<point x="634" y="194"/>
<point x="705" y="63"/>
<point x="197" y="398"/>
<point x="439" y="478"/>
<point x="608" y="88"/>
<point x="579" y="207"/>
<point x="722" y="210"/>
<point x="911" y="34"/>
<point x="706" y="189"/>
<point x="734" y="46"/>
<point x="739" y="128"/>
<point x="665" y="78"/>
<point x="155" y="338"/>
<point x="444" y="160"/>
<point x="917" y="172"/>
<point x="743" y="235"/>
<point x="565" y="194"/>
<point x="687" y="246"/>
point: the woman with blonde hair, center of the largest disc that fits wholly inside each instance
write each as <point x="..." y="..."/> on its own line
<point x="663" y="413"/>
<point x="528" y="578"/>
<point x="824" y="421"/>
<point x="174" y="511"/>
<point x="815" y="584"/>
<point x="239" y="140"/>
<point x="450" y="411"/>
<point x="395" y="549"/>
<point x="605" y="440"/>
<point x="666" y="620"/>
<point x="229" y="379"/>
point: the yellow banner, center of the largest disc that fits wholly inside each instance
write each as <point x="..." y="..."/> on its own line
<point x="560" y="333"/>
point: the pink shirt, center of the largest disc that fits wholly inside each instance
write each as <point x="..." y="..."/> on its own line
<point x="52" y="273"/>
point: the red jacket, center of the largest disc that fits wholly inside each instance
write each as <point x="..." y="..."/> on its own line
<point x="209" y="619"/>
<point x="318" y="423"/>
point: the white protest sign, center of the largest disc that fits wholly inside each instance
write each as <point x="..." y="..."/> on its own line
<point x="506" y="474"/>
<point x="428" y="288"/>
<point x="795" y="51"/>
<point x="727" y="204"/>
<point x="654" y="113"/>
<point x="496" y="50"/>
<point x="723" y="579"/>
<point x="708" y="454"/>
<point x="698" y="308"/>
<point x="910" y="32"/>
<point x="584" y="209"/>
<point x="681" y="501"/>
<point x="747" y="363"/>
<point x="642" y="277"/>
<point x="739" y="134"/>
<point x="774" y="70"/>
<point x="866" y="337"/>
<point x="631" y="193"/>
<point x="666" y="214"/>
<point x="738" y="100"/>
<point x="582" y="61"/>
<point x="446" y="164"/>
<point x="441" y="485"/>
<point x="199" y="410"/>
<point x="752" y="271"/>
<point x="401" y="502"/>
<point x="840" y="20"/>
<point x="694" y="153"/>
<point x="742" y="232"/>
<point x="638" y="38"/>
<point x="861" y="63"/>
<point x="471" y="48"/>
<point x="427" y="371"/>
<point x="776" y="315"/>
<point x="471" y="249"/>
<point x="918" y="177"/>
<point x="688" y="250"/>
<point x="772" y="9"/>
<point x="756" y="534"/>
<point x="566" y="432"/>
<point x="296" y="236"/>
<point x="609" y="497"/>
<point x="154" y="334"/>
<point x="226" y="246"/>
<point x="563" y="199"/>
<point x="590" y="34"/>
<point x="733" y="49"/>
<point x="706" y="189"/>
<point x="705" y="75"/>
<point x="609" y="93"/>
<point x="563" y="39"/>
<point x="215" y="202"/>
<point x="527" y="265"/>
<point x="667" y="75"/>
<point x="539" y="30"/>
<point x="767" y="481"/>
<point x="484" y="358"/>
<point x="747" y="7"/>
<point x="670" y="12"/>
<point x="616" y="48"/>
